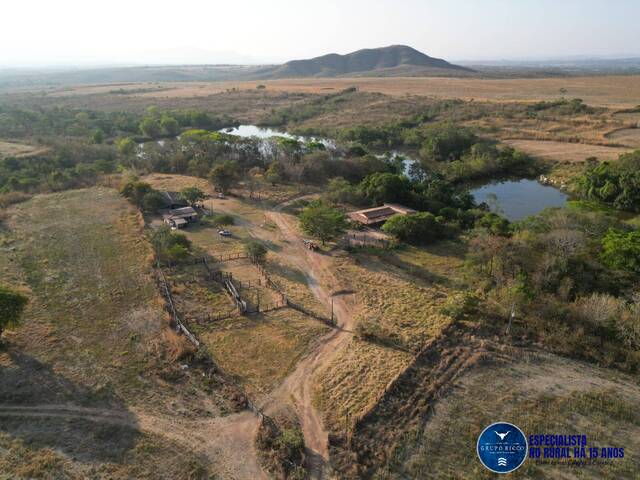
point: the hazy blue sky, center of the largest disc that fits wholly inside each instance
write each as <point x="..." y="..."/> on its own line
<point x="145" y="31"/>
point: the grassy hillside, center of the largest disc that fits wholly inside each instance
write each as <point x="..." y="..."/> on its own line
<point x="395" y="60"/>
<point x="92" y="352"/>
<point x="540" y="393"/>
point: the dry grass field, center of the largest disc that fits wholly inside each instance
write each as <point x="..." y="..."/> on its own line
<point x="19" y="150"/>
<point x="626" y="136"/>
<point x="86" y="364"/>
<point x="541" y="393"/>
<point x="566" y="152"/>
<point x="261" y="350"/>
<point x="398" y="296"/>
<point x="607" y="90"/>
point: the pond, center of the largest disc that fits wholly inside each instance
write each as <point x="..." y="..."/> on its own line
<point x="265" y="133"/>
<point x="516" y="199"/>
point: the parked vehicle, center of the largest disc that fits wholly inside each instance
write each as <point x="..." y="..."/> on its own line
<point x="310" y="245"/>
<point x="224" y="233"/>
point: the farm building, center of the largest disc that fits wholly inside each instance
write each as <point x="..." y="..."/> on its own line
<point x="173" y="200"/>
<point x="180" y="217"/>
<point x="379" y="215"/>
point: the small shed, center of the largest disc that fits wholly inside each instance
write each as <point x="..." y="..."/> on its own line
<point x="180" y="217"/>
<point x="379" y="215"/>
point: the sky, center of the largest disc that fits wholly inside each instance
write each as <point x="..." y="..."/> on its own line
<point x="90" y="32"/>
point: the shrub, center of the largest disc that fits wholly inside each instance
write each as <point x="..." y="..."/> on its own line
<point x="12" y="305"/>
<point x="222" y="220"/>
<point x="459" y="307"/>
<point x="256" y="251"/>
<point x="600" y="310"/>
<point x="152" y="201"/>
<point x="170" y="245"/>
<point x="621" y="250"/>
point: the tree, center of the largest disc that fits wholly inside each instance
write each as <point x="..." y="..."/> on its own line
<point x="135" y="191"/>
<point x="323" y="221"/>
<point x="150" y="127"/>
<point x="192" y="194"/>
<point x="170" y="245"/>
<point x="97" y="136"/>
<point x="126" y="146"/>
<point x="253" y="180"/>
<point x="385" y="187"/>
<point x="421" y="227"/>
<point x="12" y="305"/>
<point x="447" y="142"/>
<point x="621" y="250"/>
<point x="169" y="125"/>
<point x="256" y="251"/>
<point x="152" y="201"/>
<point x="224" y="175"/>
<point x="274" y="173"/>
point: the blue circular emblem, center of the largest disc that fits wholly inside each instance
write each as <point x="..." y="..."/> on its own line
<point x="502" y="447"/>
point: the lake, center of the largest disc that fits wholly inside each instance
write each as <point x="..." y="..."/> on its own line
<point x="516" y="199"/>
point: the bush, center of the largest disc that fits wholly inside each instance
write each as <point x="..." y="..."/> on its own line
<point x="256" y="251"/>
<point x="621" y="250"/>
<point x="152" y="201"/>
<point x="170" y="245"/>
<point x="12" y="305"/>
<point x="222" y="219"/>
<point x="459" y="307"/>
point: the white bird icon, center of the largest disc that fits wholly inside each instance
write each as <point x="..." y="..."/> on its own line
<point x="501" y="435"/>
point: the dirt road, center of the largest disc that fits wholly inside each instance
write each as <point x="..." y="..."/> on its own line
<point x="298" y="387"/>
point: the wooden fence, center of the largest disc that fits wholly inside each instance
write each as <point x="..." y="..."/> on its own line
<point x="229" y="256"/>
<point x="172" y="309"/>
<point x="364" y="240"/>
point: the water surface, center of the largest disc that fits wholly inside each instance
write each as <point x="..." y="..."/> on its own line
<point x="516" y="199"/>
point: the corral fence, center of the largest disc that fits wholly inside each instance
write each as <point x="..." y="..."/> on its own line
<point x="179" y="326"/>
<point x="223" y="257"/>
<point x="364" y="240"/>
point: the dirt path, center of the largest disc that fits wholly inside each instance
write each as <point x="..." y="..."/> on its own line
<point x="228" y="442"/>
<point x="298" y="387"/>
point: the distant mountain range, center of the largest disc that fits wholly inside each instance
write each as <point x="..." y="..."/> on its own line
<point x="395" y="60"/>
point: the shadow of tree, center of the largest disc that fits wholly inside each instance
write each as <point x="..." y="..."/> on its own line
<point x="46" y="410"/>
<point x="291" y="274"/>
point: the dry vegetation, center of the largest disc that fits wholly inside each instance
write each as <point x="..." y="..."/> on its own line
<point x="90" y="352"/>
<point x="566" y="152"/>
<point x="540" y="393"/>
<point x="19" y="150"/>
<point x="259" y="351"/>
<point x="610" y="91"/>
<point x="399" y="296"/>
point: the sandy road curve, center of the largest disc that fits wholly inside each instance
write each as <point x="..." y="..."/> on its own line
<point x="298" y="386"/>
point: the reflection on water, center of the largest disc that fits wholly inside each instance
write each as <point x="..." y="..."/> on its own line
<point x="265" y="133"/>
<point x="516" y="199"/>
